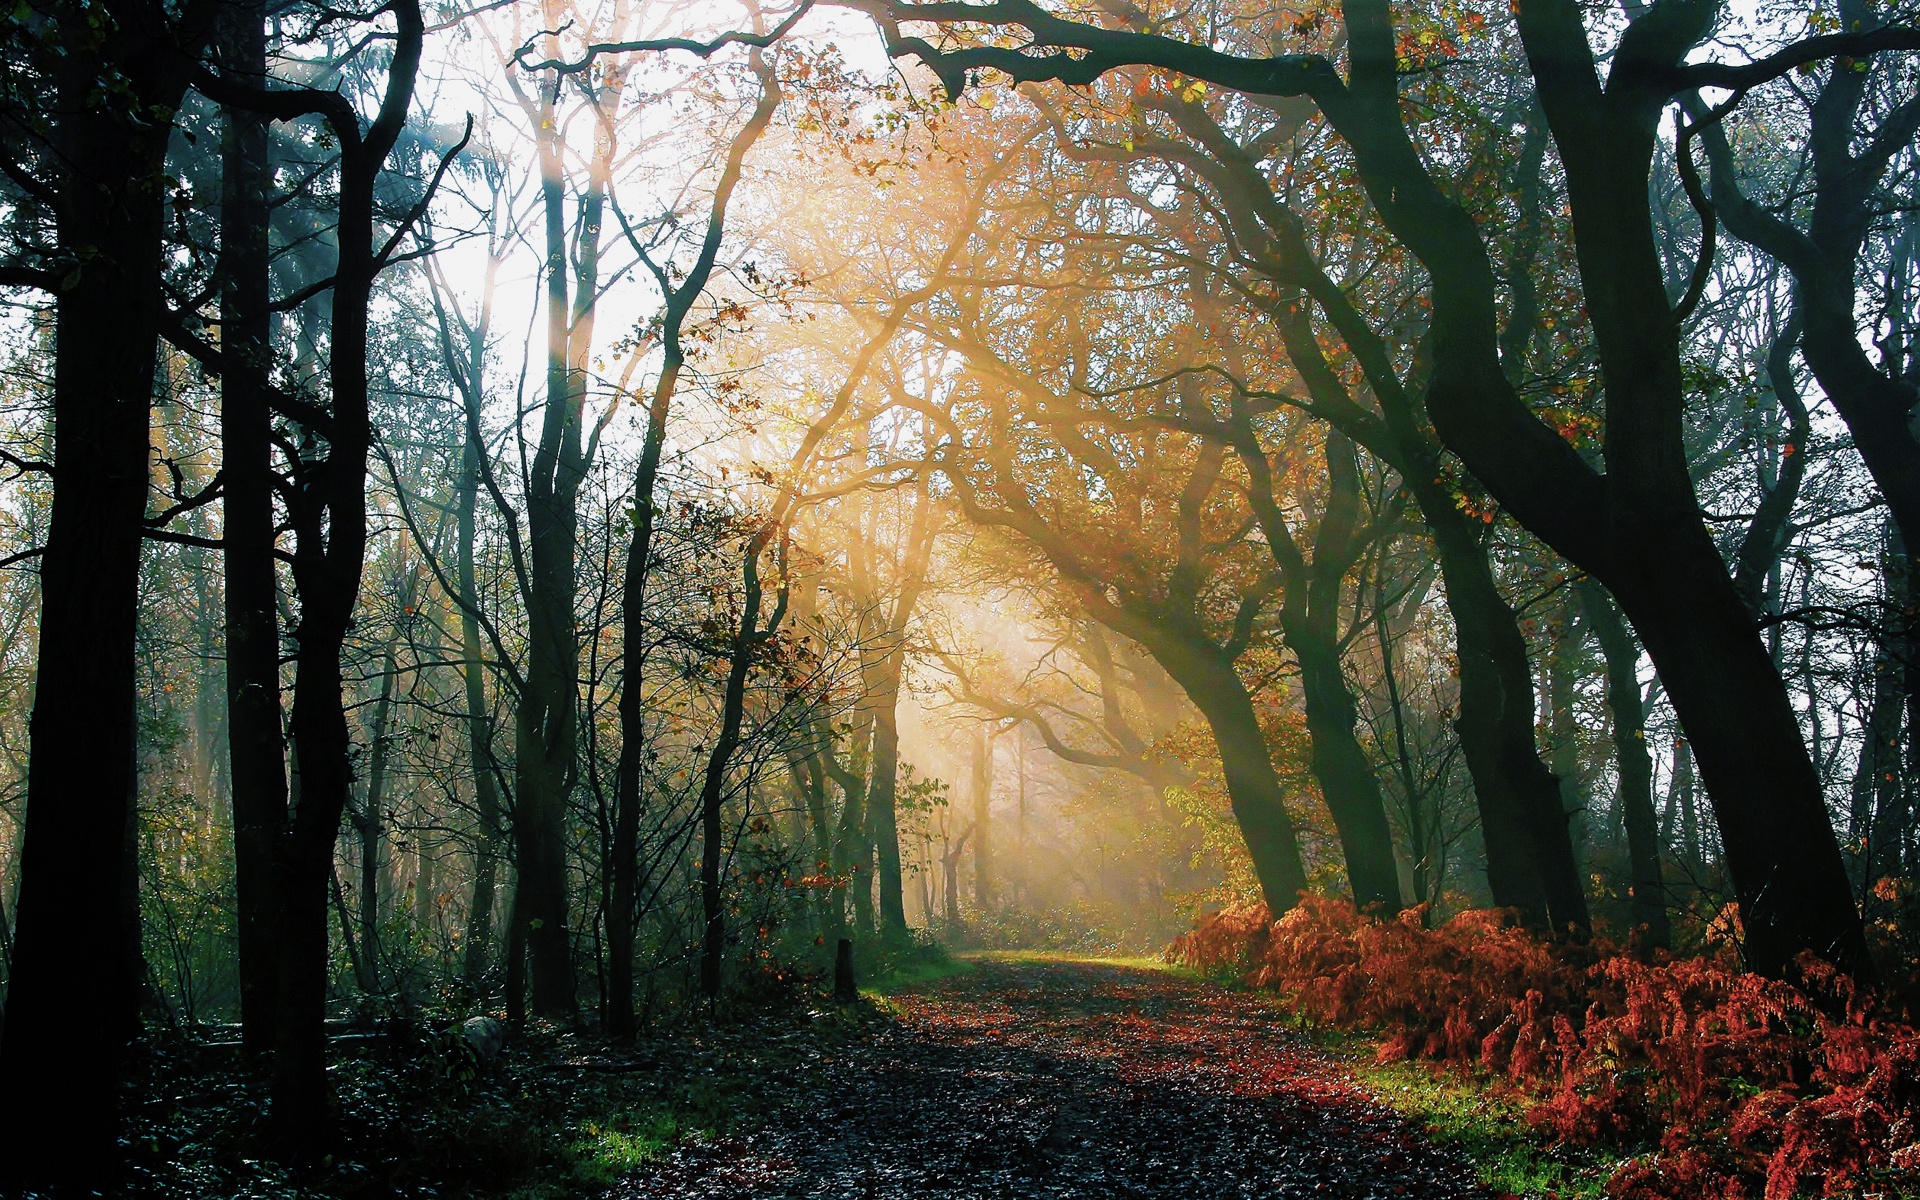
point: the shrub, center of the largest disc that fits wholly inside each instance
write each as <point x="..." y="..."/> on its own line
<point x="1731" y="1085"/>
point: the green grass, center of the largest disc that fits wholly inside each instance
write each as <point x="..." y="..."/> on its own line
<point x="1130" y="962"/>
<point x="1489" y="1129"/>
<point x="912" y="972"/>
<point x="608" y="1149"/>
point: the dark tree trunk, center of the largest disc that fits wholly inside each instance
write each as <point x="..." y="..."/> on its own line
<point x="72" y="1003"/>
<point x="1639" y="531"/>
<point x="1876" y="816"/>
<point x="1529" y="848"/>
<point x="75" y="978"/>
<point x="1633" y="762"/>
<point x="327" y="509"/>
<point x="1309" y="621"/>
<point x="516" y="973"/>
<point x="882" y="790"/>
<point x="547" y="720"/>
<point x="1253" y="787"/>
<point x="853" y="853"/>
<point x="256" y="741"/>
<point x="1565" y="659"/>
<point x="486" y="794"/>
<point x="747" y="640"/>
<point x="1347" y="781"/>
<point x="1683" y="805"/>
<point x="370" y="823"/>
<point x="1771" y="529"/>
<point x="624" y="883"/>
<point x="950" y="880"/>
<point x="1530" y="861"/>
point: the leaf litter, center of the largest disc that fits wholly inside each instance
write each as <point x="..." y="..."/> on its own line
<point x="1059" y="1079"/>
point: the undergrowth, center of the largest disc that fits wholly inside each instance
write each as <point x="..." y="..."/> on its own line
<point x="1711" y="1084"/>
<point x="557" y="1115"/>
<point x="1513" y="1159"/>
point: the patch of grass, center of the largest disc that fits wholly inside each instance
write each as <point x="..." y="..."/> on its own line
<point x="1464" y="1114"/>
<point x="883" y="964"/>
<point x="908" y="974"/>
<point x="914" y="974"/>
<point x="610" y="1148"/>
<point x="1490" y="1130"/>
<point x="1129" y="962"/>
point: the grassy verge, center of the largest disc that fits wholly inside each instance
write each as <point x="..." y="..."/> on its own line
<point x="1486" y="1127"/>
<point x="912" y="974"/>
<point x="1490" y="1130"/>
<point x="1130" y="962"/>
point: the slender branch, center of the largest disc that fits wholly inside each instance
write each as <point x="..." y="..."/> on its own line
<point x="183" y="539"/>
<point x="1745" y="76"/>
<point x="419" y="209"/>
<point x="707" y="49"/>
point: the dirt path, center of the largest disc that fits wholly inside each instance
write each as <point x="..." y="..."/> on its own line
<point x="1082" y="1080"/>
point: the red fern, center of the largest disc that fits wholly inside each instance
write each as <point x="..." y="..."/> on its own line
<point x="1748" y="1087"/>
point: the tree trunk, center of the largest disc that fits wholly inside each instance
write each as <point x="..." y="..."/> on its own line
<point x="1253" y="787"/>
<point x="1684" y="805"/>
<point x="486" y="795"/>
<point x="624" y="886"/>
<point x="74" y="982"/>
<point x="1892" y="807"/>
<point x="982" y="823"/>
<point x="950" y="880"/>
<point x="1639" y="530"/>
<point x="547" y="721"/>
<point x="370" y="822"/>
<point x="328" y="510"/>
<point x="255" y="738"/>
<point x="516" y="980"/>
<point x="1529" y="849"/>
<point x="882" y="788"/>
<point x="1309" y="619"/>
<point x="1635" y="765"/>
<point x="1564" y="660"/>
<point x="1347" y="781"/>
<point x="746" y="643"/>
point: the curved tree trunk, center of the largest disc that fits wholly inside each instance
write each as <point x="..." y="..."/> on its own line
<point x="1253" y="786"/>
<point x="1347" y="781"/>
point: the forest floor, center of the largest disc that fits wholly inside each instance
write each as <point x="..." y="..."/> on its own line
<point x="1030" y="1078"/>
<point x="1003" y="1075"/>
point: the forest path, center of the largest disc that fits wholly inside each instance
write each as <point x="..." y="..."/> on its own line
<point x="1081" y="1079"/>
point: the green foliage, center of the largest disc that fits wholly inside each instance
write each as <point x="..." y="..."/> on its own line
<point x="916" y="970"/>
<point x="1077" y="927"/>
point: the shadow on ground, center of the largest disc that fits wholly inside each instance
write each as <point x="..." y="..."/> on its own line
<point x="1029" y="1079"/>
